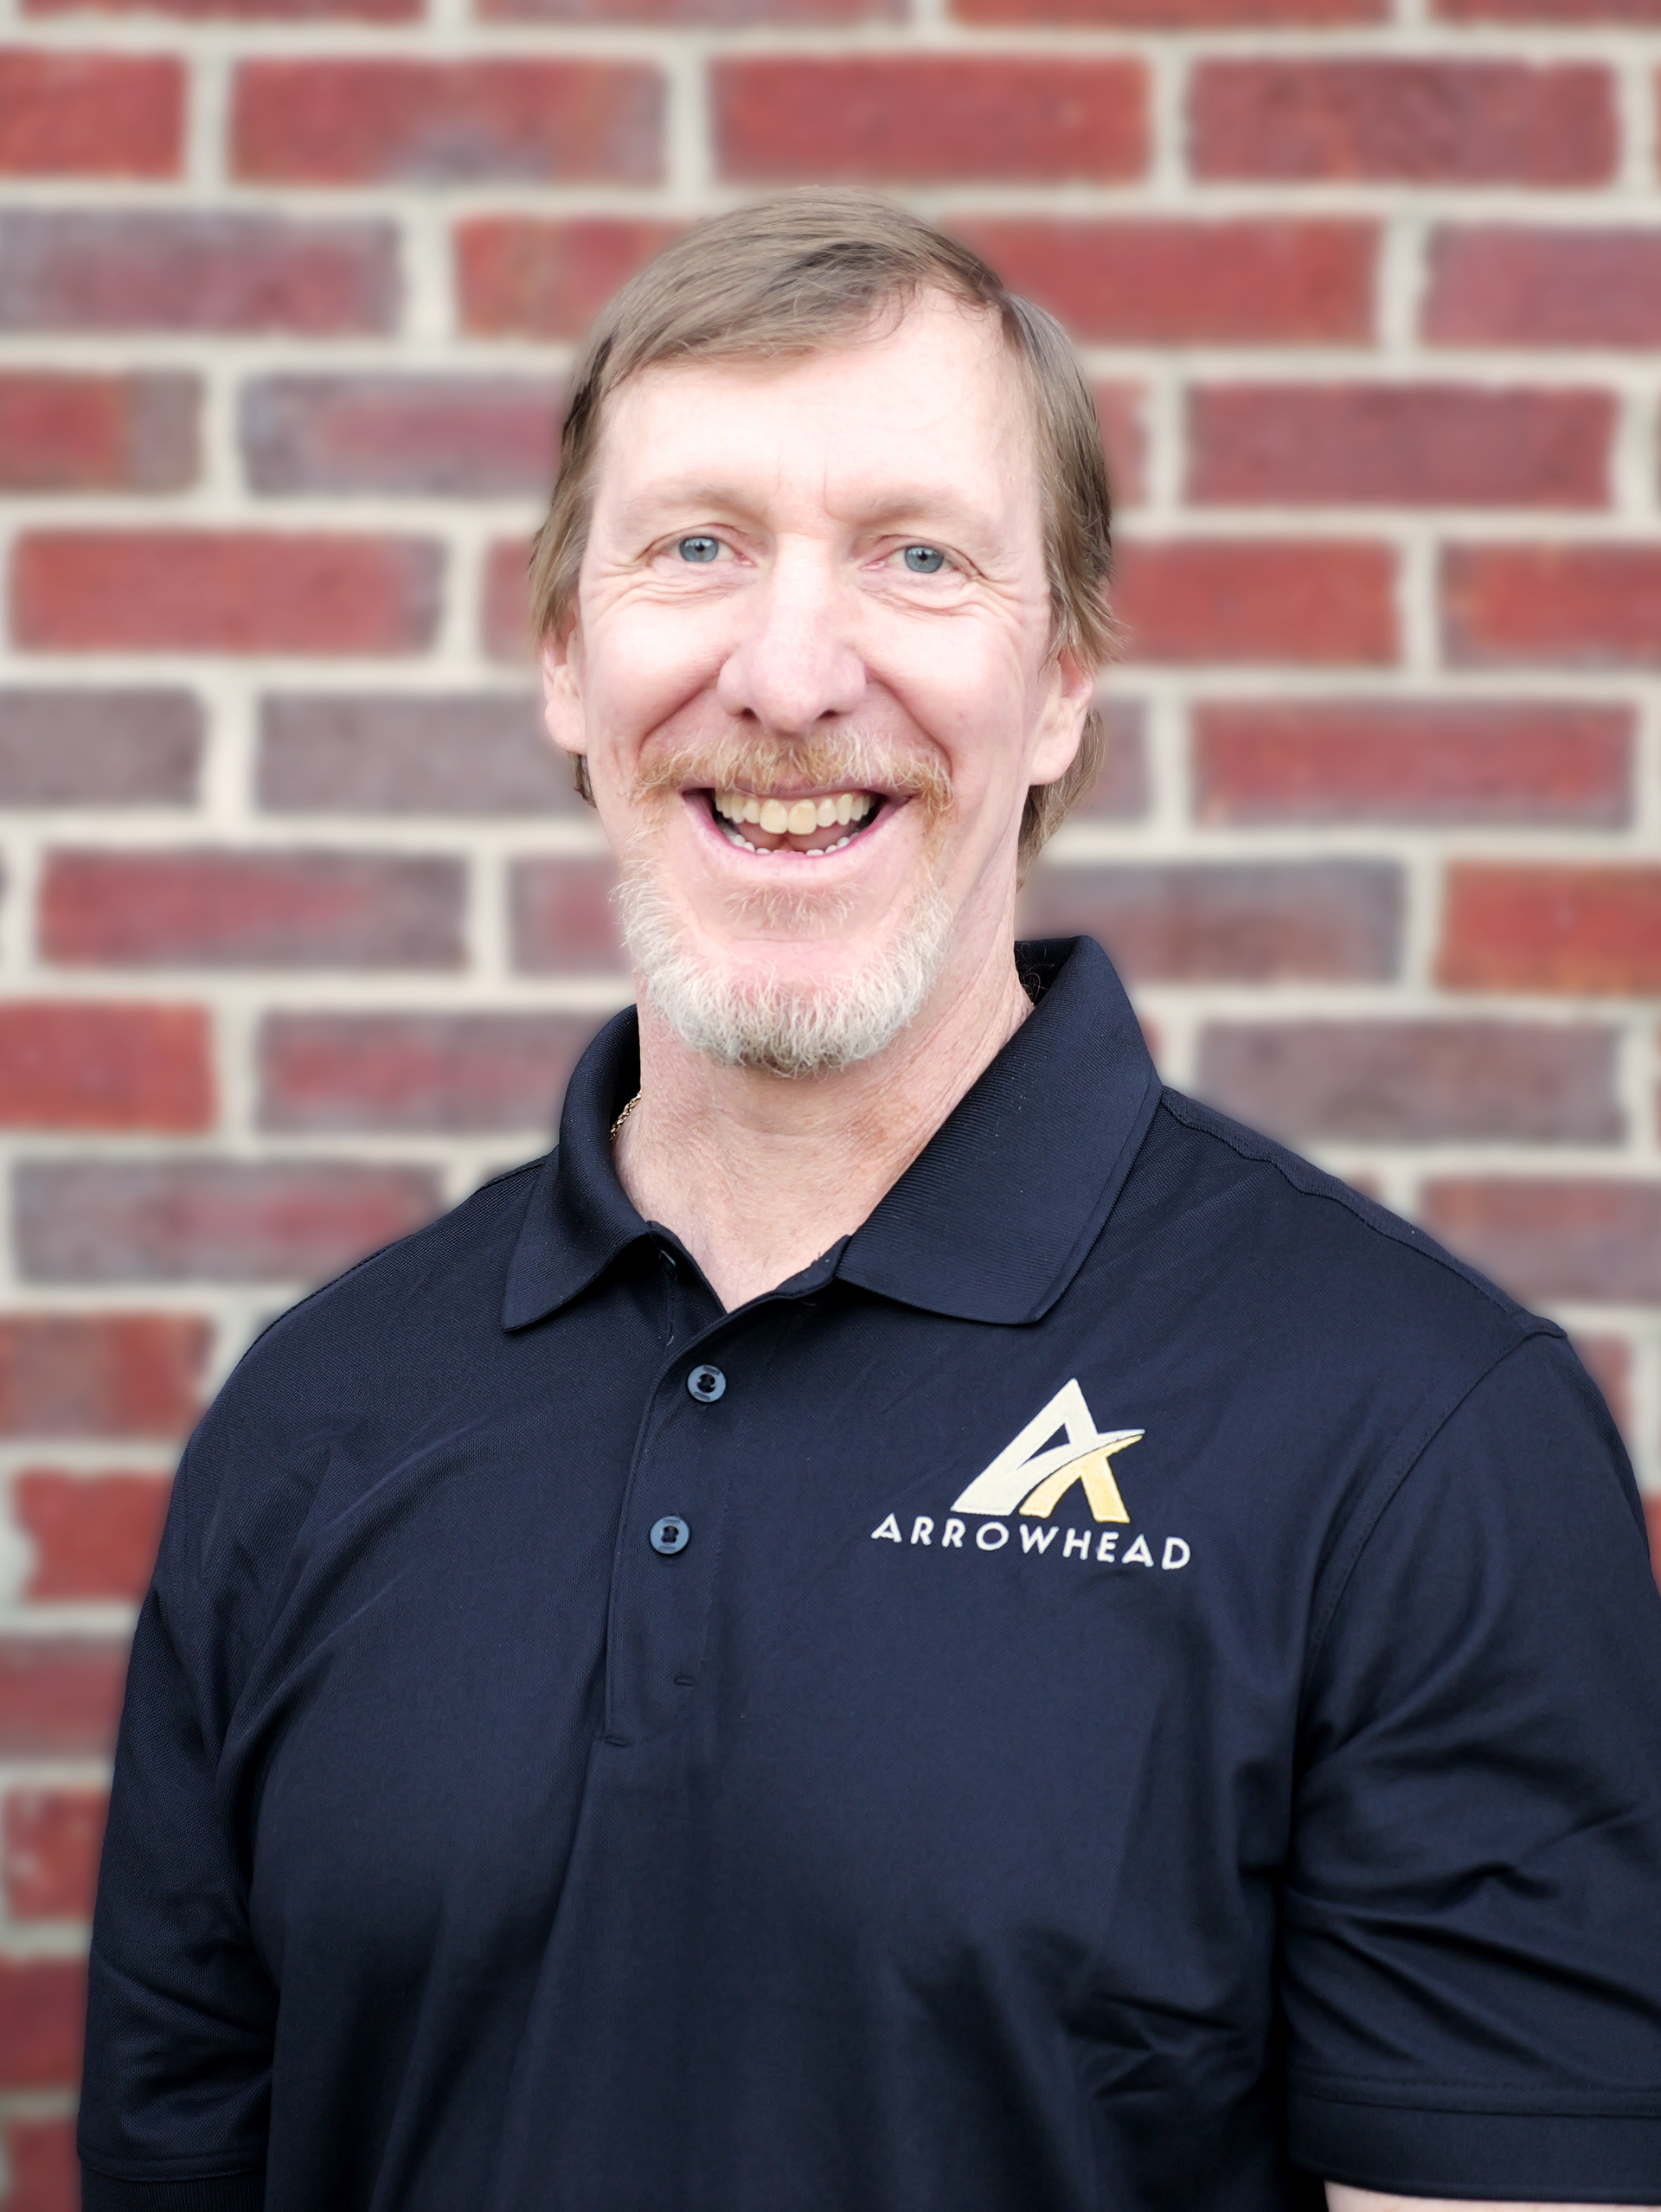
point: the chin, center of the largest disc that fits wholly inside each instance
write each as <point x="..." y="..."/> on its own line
<point x="811" y="1006"/>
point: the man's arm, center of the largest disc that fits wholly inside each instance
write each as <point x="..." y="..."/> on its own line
<point x="1469" y="1964"/>
<point x="1342" y="2198"/>
<point x="180" y="2010"/>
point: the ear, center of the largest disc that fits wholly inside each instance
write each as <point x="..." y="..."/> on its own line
<point x="561" y="666"/>
<point x="1060" y="723"/>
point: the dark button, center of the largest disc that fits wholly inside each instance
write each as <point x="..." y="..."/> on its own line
<point x="671" y="1536"/>
<point x="706" y="1384"/>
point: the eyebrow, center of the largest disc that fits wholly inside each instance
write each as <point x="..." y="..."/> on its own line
<point x="895" y="505"/>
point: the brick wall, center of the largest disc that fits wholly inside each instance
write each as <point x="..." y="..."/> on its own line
<point x="300" y="928"/>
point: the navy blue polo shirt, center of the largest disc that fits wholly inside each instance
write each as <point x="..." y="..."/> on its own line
<point x="1132" y="1682"/>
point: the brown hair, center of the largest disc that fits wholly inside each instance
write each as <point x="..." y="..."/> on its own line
<point x="804" y="270"/>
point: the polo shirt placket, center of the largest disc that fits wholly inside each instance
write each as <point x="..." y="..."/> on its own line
<point x="1132" y="1682"/>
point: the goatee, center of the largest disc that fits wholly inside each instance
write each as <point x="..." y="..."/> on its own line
<point x="741" y="1009"/>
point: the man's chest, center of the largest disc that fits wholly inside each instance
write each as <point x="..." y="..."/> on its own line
<point x="946" y="1637"/>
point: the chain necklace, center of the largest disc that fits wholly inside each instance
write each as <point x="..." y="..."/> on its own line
<point x="626" y="1111"/>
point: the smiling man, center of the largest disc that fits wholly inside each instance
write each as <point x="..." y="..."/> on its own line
<point x="910" y="1622"/>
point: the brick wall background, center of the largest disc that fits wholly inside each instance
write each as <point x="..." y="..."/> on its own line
<point x="300" y="928"/>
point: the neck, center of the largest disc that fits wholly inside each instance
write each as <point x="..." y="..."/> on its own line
<point x="757" y="1175"/>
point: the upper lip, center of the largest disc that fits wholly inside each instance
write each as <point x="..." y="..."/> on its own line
<point x="789" y="791"/>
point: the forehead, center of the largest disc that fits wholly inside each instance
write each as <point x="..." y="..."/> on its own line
<point x="932" y="403"/>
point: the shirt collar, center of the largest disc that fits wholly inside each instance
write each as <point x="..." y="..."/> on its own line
<point x="989" y="1223"/>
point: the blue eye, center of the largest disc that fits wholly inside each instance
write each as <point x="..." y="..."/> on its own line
<point x="924" y="559"/>
<point x="698" y="549"/>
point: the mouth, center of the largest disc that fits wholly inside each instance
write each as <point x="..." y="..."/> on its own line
<point x="815" y="824"/>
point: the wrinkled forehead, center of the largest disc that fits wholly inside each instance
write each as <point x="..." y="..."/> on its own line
<point x="930" y="399"/>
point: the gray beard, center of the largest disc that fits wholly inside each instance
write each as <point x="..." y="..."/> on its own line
<point x="745" y="1016"/>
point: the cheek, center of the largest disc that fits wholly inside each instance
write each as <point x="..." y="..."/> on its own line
<point x="645" y="665"/>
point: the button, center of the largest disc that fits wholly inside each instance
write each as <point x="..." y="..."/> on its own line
<point x="670" y="1535"/>
<point x="707" y="1384"/>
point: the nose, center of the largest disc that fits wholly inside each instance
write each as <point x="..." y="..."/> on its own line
<point x="795" y="662"/>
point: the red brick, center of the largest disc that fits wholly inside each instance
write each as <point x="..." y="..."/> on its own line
<point x="1399" y="445"/>
<point x="1173" y="15"/>
<point x="686" y="14"/>
<point x="561" y="918"/>
<point x="416" y="1073"/>
<point x="1336" y="920"/>
<point x="1526" y="926"/>
<point x="101" y="1374"/>
<point x="97" y="433"/>
<point x="99" y="748"/>
<point x="1322" y="602"/>
<point x="482" y="753"/>
<point x="75" y="269"/>
<point x="53" y="1840"/>
<point x="45" y="2170"/>
<point x="224" y="591"/>
<point x="1160" y="282"/>
<point x="466" y="437"/>
<point x="1576" y="12"/>
<point x="1120" y="410"/>
<point x="90" y="114"/>
<point x="252" y="11"/>
<point x="94" y="1536"/>
<point x="518" y="276"/>
<point x="76" y="1065"/>
<point x="1120" y="792"/>
<point x="59" y="1696"/>
<point x="504" y="616"/>
<point x="356" y="122"/>
<point x="1542" y="1238"/>
<point x="210" y="1220"/>
<point x="1552" y="605"/>
<point x="1608" y="1361"/>
<point x="42" y="2015"/>
<point x="1498" y="284"/>
<point x="1416" y="1082"/>
<point x="1419" y="121"/>
<point x="918" y="118"/>
<point x="217" y="907"/>
<point x="1414" y="760"/>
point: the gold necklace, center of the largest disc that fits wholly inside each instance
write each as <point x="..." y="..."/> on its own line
<point x="626" y="1111"/>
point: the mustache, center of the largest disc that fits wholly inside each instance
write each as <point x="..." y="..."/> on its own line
<point x="840" y="759"/>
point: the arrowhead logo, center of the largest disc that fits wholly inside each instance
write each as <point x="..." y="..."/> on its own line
<point x="1032" y="1476"/>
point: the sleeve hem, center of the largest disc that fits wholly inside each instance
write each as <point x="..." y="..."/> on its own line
<point x="244" y="2192"/>
<point x="1408" y="2150"/>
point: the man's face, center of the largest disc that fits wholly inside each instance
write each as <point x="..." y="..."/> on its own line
<point x="811" y="667"/>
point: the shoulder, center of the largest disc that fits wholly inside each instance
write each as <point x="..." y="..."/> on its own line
<point x="451" y="1272"/>
<point x="375" y="1358"/>
<point x="1308" y="1244"/>
<point x="1298" y="1309"/>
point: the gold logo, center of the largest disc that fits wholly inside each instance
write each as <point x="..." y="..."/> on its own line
<point x="1031" y="1475"/>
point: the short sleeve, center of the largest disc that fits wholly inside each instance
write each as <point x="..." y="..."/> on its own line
<point x="180" y="2011"/>
<point x="1471" y="1926"/>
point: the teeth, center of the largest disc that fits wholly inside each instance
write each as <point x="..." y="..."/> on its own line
<point x="796" y="818"/>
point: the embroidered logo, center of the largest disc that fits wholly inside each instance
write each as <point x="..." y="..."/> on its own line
<point x="1029" y="1478"/>
<point x="1032" y="1476"/>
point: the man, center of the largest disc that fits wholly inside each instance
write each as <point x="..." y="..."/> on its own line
<point x="908" y="1622"/>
